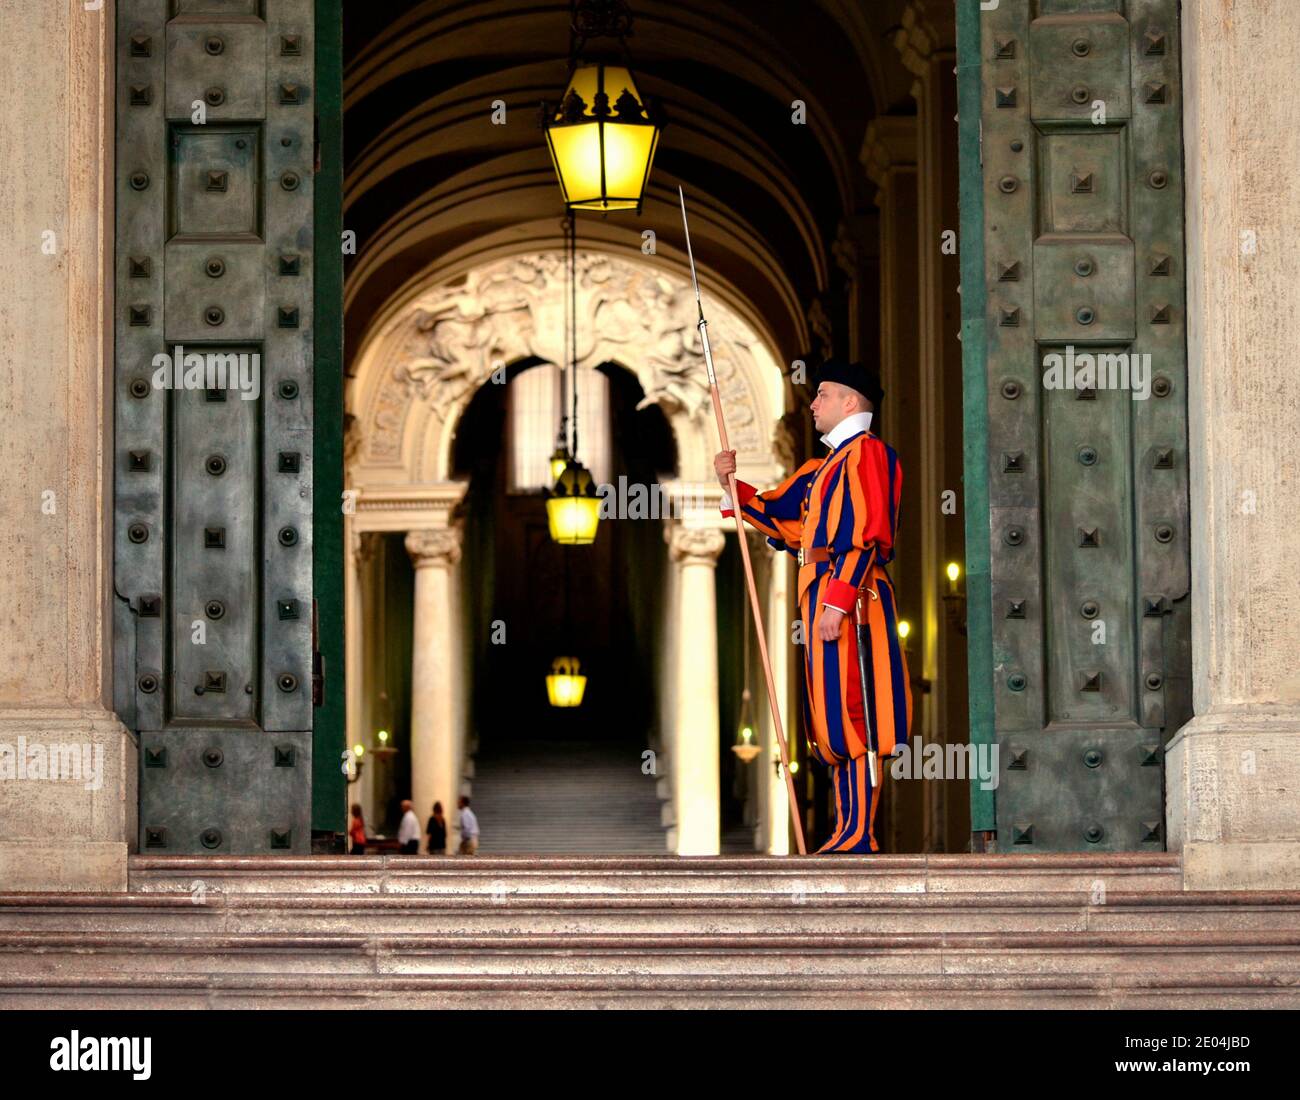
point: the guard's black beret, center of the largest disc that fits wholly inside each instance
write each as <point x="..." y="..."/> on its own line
<point x="857" y="376"/>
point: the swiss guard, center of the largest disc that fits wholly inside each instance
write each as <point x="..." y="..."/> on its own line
<point x="837" y="515"/>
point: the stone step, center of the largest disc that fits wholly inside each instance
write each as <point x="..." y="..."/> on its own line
<point x="869" y="957"/>
<point x="566" y="797"/>
<point x="659" y="875"/>
<point x="654" y="931"/>
<point x="1172" y="914"/>
<point x="1189" y="989"/>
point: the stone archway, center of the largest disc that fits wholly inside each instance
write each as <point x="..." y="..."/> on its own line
<point x="414" y="379"/>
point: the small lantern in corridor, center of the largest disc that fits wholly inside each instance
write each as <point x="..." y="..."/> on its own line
<point x="745" y="747"/>
<point x="565" y="686"/>
<point x="573" y="506"/>
<point x="559" y="459"/>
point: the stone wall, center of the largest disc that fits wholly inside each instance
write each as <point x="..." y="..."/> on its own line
<point x="1233" y="777"/>
<point x="55" y="454"/>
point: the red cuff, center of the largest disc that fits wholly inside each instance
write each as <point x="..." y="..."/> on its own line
<point x="746" y="492"/>
<point x="840" y="595"/>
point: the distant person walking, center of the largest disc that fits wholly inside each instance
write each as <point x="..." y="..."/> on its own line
<point x="437" y="832"/>
<point x="408" y="832"/>
<point x="357" y="831"/>
<point x="468" y="828"/>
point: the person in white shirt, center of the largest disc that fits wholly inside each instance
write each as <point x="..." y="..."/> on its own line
<point x="408" y="833"/>
<point x="468" y="828"/>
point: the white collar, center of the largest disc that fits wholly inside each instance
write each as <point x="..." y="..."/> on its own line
<point x="846" y="429"/>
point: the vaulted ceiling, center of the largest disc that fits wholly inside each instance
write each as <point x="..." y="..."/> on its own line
<point x="434" y="186"/>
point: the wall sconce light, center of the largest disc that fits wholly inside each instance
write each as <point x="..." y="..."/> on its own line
<point x="954" y="600"/>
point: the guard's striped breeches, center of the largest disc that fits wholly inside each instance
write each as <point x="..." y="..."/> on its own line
<point x="855" y="808"/>
<point x="835" y="711"/>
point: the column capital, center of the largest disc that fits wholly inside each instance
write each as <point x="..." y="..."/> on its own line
<point x="928" y="30"/>
<point x="857" y="240"/>
<point x="364" y="545"/>
<point x="889" y="145"/>
<point x="438" y="546"/>
<point x="695" y="545"/>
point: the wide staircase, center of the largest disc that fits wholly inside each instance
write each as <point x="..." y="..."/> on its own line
<point x="849" y="931"/>
<point x="564" y="797"/>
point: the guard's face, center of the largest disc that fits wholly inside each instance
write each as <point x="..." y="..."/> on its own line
<point x="828" y="406"/>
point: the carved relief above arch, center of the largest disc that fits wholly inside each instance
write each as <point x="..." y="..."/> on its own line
<point x="416" y="375"/>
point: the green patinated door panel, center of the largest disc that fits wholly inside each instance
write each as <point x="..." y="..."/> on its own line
<point x="1086" y="367"/>
<point x="214" y="451"/>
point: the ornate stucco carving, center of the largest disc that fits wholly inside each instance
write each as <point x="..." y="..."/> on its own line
<point x="450" y="340"/>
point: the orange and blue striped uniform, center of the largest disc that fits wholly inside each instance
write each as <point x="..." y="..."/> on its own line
<point x="848" y="504"/>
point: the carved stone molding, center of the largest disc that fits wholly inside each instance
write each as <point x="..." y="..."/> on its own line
<point x="928" y="31"/>
<point x="845" y="251"/>
<point x="450" y="341"/>
<point x="820" y="327"/>
<point x="435" y="547"/>
<point x="351" y="439"/>
<point x="889" y="145"/>
<point x="695" y="545"/>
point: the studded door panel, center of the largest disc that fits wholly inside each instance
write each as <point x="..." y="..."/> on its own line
<point x="213" y="391"/>
<point x="1082" y="165"/>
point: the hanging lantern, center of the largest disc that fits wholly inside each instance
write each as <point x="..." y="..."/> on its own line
<point x="559" y="459"/>
<point x="565" y="686"/>
<point x="602" y="135"/>
<point x="573" y="507"/>
<point x="745" y="747"/>
<point x="602" y="140"/>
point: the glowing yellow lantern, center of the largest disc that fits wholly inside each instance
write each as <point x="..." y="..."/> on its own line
<point x="602" y="139"/>
<point x="573" y="506"/>
<point x="904" y="628"/>
<point x="745" y="748"/>
<point x="565" y="686"/>
<point x="359" y="751"/>
<point x="559" y="460"/>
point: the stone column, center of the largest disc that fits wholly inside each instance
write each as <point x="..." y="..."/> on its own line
<point x="857" y="254"/>
<point x="56" y="451"/>
<point x="359" y="551"/>
<point x="695" y="746"/>
<point x="889" y="159"/>
<point x="1233" y="772"/>
<point x="926" y="43"/>
<point x="665" y="783"/>
<point x="778" y="621"/>
<point x="437" y="679"/>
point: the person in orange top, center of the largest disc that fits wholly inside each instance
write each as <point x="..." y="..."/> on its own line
<point x="837" y="515"/>
<point x="357" y="831"/>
